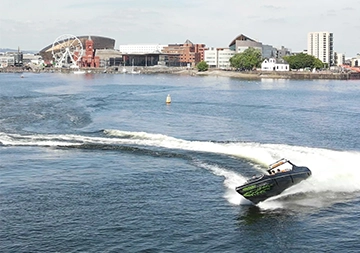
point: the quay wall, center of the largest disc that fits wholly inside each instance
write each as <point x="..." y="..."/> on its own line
<point x="193" y="72"/>
<point x="309" y="75"/>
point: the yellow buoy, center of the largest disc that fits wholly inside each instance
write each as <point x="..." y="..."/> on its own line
<point x="168" y="99"/>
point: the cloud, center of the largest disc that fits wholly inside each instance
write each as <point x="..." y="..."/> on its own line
<point x="330" y="13"/>
<point x="273" y="7"/>
<point x="212" y="22"/>
<point x="274" y="20"/>
<point x="348" y="9"/>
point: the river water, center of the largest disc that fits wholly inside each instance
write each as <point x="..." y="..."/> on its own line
<point x="100" y="163"/>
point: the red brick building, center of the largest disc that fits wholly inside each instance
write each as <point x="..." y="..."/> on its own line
<point x="184" y="54"/>
<point x="89" y="59"/>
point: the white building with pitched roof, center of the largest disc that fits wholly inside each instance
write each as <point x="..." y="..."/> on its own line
<point x="273" y="65"/>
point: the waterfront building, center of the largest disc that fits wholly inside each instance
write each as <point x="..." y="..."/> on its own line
<point x="218" y="57"/>
<point x="109" y="57"/>
<point x="283" y="51"/>
<point x="242" y="42"/>
<point x="11" y="59"/>
<point x="143" y="48"/>
<point x="268" y="51"/>
<point x="99" y="42"/>
<point x="18" y="58"/>
<point x="339" y="59"/>
<point x="355" y="61"/>
<point x="184" y="54"/>
<point x="6" y="61"/>
<point x="273" y="64"/>
<point x="320" y="45"/>
<point x="210" y="57"/>
<point x="89" y="59"/>
<point x="32" y="59"/>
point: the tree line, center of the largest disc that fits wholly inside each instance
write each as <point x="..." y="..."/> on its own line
<point x="251" y="59"/>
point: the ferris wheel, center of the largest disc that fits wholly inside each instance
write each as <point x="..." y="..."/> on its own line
<point x="67" y="50"/>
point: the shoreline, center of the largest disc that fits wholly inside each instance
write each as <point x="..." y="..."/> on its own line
<point x="253" y="75"/>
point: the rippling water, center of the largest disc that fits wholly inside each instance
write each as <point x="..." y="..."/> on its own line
<point x="99" y="163"/>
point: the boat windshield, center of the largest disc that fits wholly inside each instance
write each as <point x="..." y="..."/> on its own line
<point x="282" y="165"/>
<point x="256" y="177"/>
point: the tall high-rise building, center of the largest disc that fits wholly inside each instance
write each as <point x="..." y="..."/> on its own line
<point x="320" y="45"/>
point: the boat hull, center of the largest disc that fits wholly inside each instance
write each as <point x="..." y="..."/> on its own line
<point x="266" y="186"/>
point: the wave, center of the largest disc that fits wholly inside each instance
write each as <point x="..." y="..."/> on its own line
<point x="332" y="171"/>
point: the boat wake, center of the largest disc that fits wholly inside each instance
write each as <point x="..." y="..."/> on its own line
<point x="332" y="171"/>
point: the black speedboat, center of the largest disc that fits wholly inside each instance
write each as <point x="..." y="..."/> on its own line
<point x="281" y="175"/>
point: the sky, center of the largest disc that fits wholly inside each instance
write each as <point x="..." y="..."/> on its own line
<point x="35" y="24"/>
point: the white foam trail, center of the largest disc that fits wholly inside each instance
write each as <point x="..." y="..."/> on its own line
<point x="139" y="135"/>
<point x="47" y="140"/>
<point x="245" y="150"/>
<point x="326" y="165"/>
<point x="231" y="180"/>
<point x="335" y="171"/>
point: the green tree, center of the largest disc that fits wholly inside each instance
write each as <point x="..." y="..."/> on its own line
<point x="302" y="61"/>
<point x="202" y="66"/>
<point x="247" y="60"/>
<point x="318" y="64"/>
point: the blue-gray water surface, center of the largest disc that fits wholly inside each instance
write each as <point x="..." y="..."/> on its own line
<point x="100" y="163"/>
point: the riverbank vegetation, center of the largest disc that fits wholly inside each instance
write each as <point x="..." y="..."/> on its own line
<point x="304" y="61"/>
<point x="248" y="60"/>
<point x="251" y="59"/>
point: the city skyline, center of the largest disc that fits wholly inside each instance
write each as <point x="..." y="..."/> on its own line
<point x="32" y="25"/>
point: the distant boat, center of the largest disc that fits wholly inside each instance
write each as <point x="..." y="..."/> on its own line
<point x="133" y="70"/>
<point x="124" y="69"/>
<point x="79" y="72"/>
